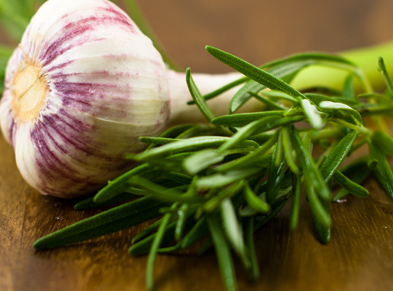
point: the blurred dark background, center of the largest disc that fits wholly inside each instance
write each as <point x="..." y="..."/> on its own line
<point x="262" y="30"/>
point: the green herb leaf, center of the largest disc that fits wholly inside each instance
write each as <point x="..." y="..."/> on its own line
<point x="233" y="230"/>
<point x="254" y="202"/>
<point x="269" y="104"/>
<point x="196" y="95"/>
<point x="223" y="179"/>
<point x="275" y="175"/>
<point x="153" y="250"/>
<point x="120" y="184"/>
<point x="383" y="141"/>
<point x="288" y="149"/>
<point x="286" y="69"/>
<point x="162" y="193"/>
<point x="253" y="270"/>
<point x="296" y="189"/>
<point x="259" y="126"/>
<point x="90" y="204"/>
<point x="203" y="159"/>
<point x="337" y="156"/>
<point x="311" y="173"/>
<point x="190" y="144"/>
<point x="253" y="72"/>
<point x="314" y="117"/>
<point x="351" y="186"/>
<point x="221" y="90"/>
<point x="242" y="119"/>
<point x="223" y="252"/>
<point x="385" y="74"/>
<point x="348" y="90"/>
<point x="382" y="171"/>
<point x="115" y="219"/>
<point x="198" y="232"/>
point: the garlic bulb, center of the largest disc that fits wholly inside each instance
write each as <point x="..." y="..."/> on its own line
<point x="80" y="89"/>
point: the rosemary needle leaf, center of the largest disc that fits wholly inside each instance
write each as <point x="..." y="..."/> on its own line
<point x="312" y="174"/>
<point x="162" y="193"/>
<point x="178" y="177"/>
<point x="223" y="252"/>
<point x="146" y="232"/>
<point x="223" y="179"/>
<point x="349" y="185"/>
<point x="385" y="74"/>
<point x="121" y="183"/>
<point x="278" y="154"/>
<point x="358" y="177"/>
<point x="382" y="171"/>
<point x="115" y="219"/>
<point x="243" y="95"/>
<point x="253" y="72"/>
<point x="263" y="219"/>
<point x="383" y="141"/>
<point x="174" y="131"/>
<point x="254" y="202"/>
<point x="89" y="203"/>
<point x="294" y="216"/>
<point x="221" y="90"/>
<point x="242" y="119"/>
<point x="196" y="95"/>
<point x="197" y="232"/>
<point x="259" y="126"/>
<point x="189" y="144"/>
<point x="334" y="106"/>
<point x="315" y="58"/>
<point x="286" y="69"/>
<point x="153" y="250"/>
<point x="348" y="90"/>
<point x="320" y="214"/>
<point x="314" y="117"/>
<point x="337" y="156"/>
<point x="269" y="104"/>
<point x="182" y="214"/>
<point x="253" y="270"/>
<point x="280" y="95"/>
<point x="250" y="159"/>
<point x="289" y="151"/>
<point x="205" y="158"/>
<point x="275" y="175"/>
<point x="233" y="230"/>
<point x="157" y="140"/>
<point x="227" y="192"/>
<point x="143" y="246"/>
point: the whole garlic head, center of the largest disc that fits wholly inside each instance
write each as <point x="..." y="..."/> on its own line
<point x="80" y="89"/>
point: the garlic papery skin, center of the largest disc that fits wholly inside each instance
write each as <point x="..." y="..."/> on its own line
<point x="81" y="88"/>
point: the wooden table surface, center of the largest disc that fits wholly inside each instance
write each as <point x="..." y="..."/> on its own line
<point x="360" y="253"/>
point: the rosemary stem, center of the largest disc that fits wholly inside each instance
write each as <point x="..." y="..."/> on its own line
<point x="362" y="129"/>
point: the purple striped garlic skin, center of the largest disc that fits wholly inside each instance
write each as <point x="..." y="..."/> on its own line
<point x="80" y="89"/>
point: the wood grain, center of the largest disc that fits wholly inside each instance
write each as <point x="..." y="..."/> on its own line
<point x="360" y="254"/>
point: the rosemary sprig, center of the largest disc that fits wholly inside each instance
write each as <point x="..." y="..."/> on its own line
<point x="210" y="183"/>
